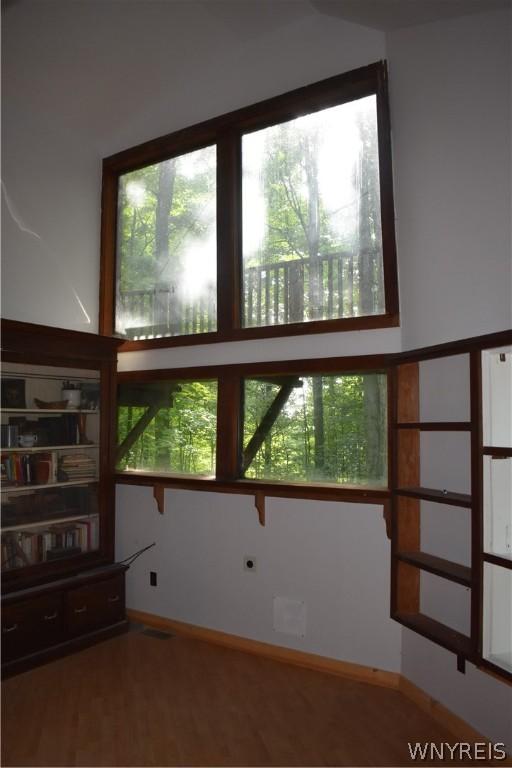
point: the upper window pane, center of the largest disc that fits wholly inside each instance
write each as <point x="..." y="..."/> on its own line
<point x="312" y="242"/>
<point x="167" y="248"/>
<point x="330" y="429"/>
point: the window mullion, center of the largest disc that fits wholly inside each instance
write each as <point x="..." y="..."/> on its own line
<point x="229" y="228"/>
<point x="229" y="418"/>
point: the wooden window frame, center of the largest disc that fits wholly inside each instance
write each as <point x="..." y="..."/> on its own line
<point x="226" y="133"/>
<point x="229" y="423"/>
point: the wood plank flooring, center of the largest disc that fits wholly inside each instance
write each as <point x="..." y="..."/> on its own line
<point x="137" y="700"/>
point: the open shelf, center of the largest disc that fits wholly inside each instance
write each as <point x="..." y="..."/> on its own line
<point x="49" y="410"/>
<point x="438" y="566"/>
<point x="51" y="521"/>
<point x="489" y="450"/>
<point x="436" y="426"/>
<point x="434" y="494"/>
<point x="439" y="633"/>
<point x="47" y="448"/>
<point x="27" y="488"/>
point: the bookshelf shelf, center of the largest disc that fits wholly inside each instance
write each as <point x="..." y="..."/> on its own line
<point x="436" y="631"/>
<point x="50" y="521"/>
<point x="436" y="426"/>
<point x="438" y="566"/>
<point x="27" y="488"/>
<point x="47" y="448"/>
<point x="49" y="411"/>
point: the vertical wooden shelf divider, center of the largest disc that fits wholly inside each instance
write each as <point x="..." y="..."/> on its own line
<point x="406" y="511"/>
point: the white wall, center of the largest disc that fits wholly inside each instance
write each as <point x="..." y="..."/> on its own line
<point x="450" y="107"/>
<point x="321" y="553"/>
<point x="81" y="81"/>
<point x="450" y="110"/>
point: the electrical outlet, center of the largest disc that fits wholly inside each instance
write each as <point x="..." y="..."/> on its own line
<point x="249" y="563"/>
<point x="152" y="578"/>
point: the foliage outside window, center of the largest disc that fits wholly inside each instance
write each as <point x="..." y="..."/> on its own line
<point x="167" y="251"/>
<point x="168" y="427"/>
<point x="312" y="239"/>
<point x="330" y="429"/>
<point x="272" y="220"/>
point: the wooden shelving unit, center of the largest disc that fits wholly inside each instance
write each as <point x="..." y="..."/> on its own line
<point x="408" y="559"/>
<point x="60" y="587"/>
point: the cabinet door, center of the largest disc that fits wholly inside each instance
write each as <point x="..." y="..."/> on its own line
<point x="31" y="626"/>
<point x="95" y="605"/>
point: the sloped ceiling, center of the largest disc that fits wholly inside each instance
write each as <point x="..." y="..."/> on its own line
<point x="394" y="14"/>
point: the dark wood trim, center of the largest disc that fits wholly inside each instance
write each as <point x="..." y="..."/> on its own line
<point x="108" y="245"/>
<point x="501" y="453"/>
<point x="503" y="562"/>
<point x="387" y="199"/>
<point x="436" y="426"/>
<point x="446" y="569"/>
<point x="45" y="345"/>
<point x="459" y="347"/>
<point x="229" y="235"/>
<point x="433" y="494"/>
<point x="345" y="493"/>
<point x="437" y="632"/>
<point x="475" y="375"/>
<point x="228" y="428"/>
<point x="370" y="322"/>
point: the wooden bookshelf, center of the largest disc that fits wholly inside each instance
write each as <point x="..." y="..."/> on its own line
<point x="57" y="534"/>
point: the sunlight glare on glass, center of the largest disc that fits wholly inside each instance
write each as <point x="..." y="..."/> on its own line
<point x="136" y="193"/>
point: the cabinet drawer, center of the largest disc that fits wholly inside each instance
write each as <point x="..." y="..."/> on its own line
<point x="95" y="605"/>
<point x="32" y="625"/>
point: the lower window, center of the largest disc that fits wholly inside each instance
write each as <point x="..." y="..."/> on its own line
<point x="323" y="429"/>
<point x="168" y="427"/>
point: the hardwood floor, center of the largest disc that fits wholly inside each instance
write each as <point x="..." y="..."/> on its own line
<point x="139" y="700"/>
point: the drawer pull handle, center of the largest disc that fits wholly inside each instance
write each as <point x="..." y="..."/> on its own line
<point x="51" y="616"/>
<point x="114" y="599"/>
<point x="10" y="629"/>
<point x="81" y="610"/>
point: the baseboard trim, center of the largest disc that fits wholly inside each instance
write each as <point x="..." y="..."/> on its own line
<point x="458" y="727"/>
<point x="346" y="669"/>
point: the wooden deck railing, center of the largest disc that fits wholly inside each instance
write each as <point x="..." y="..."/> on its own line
<point x="284" y="292"/>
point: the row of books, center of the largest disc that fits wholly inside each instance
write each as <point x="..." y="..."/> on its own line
<point x="29" y="468"/>
<point x="77" y="465"/>
<point x="42" y="468"/>
<point x="28" y="547"/>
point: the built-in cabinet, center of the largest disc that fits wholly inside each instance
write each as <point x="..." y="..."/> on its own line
<point x="451" y="436"/>
<point x="59" y="583"/>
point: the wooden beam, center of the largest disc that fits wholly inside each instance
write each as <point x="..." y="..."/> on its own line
<point x="137" y="431"/>
<point x="267" y="421"/>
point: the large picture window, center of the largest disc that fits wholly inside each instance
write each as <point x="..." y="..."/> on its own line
<point x="276" y="219"/>
<point x="277" y="426"/>
<point x="312" y="239"/>
<point x="324" y="429"/>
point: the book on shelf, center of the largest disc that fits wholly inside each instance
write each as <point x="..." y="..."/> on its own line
<point x="29" y="468"/>
<point x="28" y="547"/>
